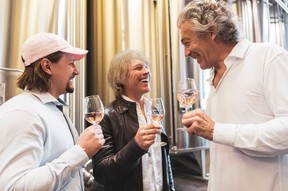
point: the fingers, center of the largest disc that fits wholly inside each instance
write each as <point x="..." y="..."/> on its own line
<point x="95" y="131"/>
<point x="145" y="136"/>
<point x="195" y="115"/>
<point x="150" y="131"/>
<point x="92" y="139"/>
<point x="199" y="123"/>
<point x="207" y="118"/>
<point x="188" y="121"/>
<point x="98" y="131"/>
<point x="148" y="135"/>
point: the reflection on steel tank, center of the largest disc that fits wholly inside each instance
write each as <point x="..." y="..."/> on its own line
<point x="8" y="87"/>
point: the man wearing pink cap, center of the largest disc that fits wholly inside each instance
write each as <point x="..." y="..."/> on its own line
<point x="40" y="148"/>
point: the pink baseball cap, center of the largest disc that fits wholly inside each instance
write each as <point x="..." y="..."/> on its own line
<point x="42" y="44"/>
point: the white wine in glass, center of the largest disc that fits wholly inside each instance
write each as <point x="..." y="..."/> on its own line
<point x="93" y="110"/>
<point x="94" y="117"/>
<point x="155" y="114"/>
<point x="187" y="93"/>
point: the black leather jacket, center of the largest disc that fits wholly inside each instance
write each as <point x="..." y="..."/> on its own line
<point x="119" y="167"/>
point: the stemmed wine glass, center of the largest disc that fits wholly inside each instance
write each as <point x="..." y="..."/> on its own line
<point x="93" y="110"/>
<point x="187" y="93"/>
<point x="155" y="114"/>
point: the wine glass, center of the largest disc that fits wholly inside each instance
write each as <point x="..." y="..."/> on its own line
<point x="93" y="110"/>
<point x="156" y="113"/>
<point x="187" y="93"/>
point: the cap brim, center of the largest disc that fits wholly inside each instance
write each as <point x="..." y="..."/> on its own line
<point x="77" y="53"/>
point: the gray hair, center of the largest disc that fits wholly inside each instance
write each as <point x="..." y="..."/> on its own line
<point x="209" y="16"/>
<point x="119" y="67"/>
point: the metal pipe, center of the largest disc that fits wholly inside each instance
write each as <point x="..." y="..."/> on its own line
<point x="173" y="123"/>
<point x="282" y="5"/>
<point x="11" y="69"/>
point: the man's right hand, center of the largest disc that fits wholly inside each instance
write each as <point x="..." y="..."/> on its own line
<point x="145" y="136"/>
<point x="91" y="139"/>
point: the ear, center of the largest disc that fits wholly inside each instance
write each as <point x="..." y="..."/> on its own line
<point x="46" y="66"/>
<point x="213" y="32"/>
<point x="213" y="35"/>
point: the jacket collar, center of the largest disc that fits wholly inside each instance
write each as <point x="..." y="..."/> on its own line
<point x="124" y="105"/>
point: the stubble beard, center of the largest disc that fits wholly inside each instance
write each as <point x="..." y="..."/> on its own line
<point x="70" y="87"/>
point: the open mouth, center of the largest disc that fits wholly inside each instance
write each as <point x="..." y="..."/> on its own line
<point x="196" y="56"/>
<point x="144" y="80"/>
<point x="71" y="80"/>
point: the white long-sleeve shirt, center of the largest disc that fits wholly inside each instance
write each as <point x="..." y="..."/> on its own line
<point x="250" y="108"/>
<point x="37" y="149"/>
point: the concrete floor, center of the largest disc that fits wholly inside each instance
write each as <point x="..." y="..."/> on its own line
<point x="187" y="174"/>
<point x="188" y="182"/>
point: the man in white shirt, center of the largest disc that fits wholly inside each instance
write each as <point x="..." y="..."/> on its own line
<point x="40" y="148"/>
<point x="247" y="121"/>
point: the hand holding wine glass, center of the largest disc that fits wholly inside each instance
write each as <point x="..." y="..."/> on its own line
<point x="93" y="110"/>
<point x="156" y="114"/>
<point x="91" y="140"/>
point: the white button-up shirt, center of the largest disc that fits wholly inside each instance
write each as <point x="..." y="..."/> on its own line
<point x="37" y="149"/>
<point x="250" y="107"/>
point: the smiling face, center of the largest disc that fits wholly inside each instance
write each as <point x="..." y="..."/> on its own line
<point x="198" y="47"/>
<point x="137" y="82"/>
<point x="61" y="75"/>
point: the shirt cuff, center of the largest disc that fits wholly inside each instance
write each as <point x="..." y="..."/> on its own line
<point x="225" y="133"/>
<point x="75" y="156"/>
